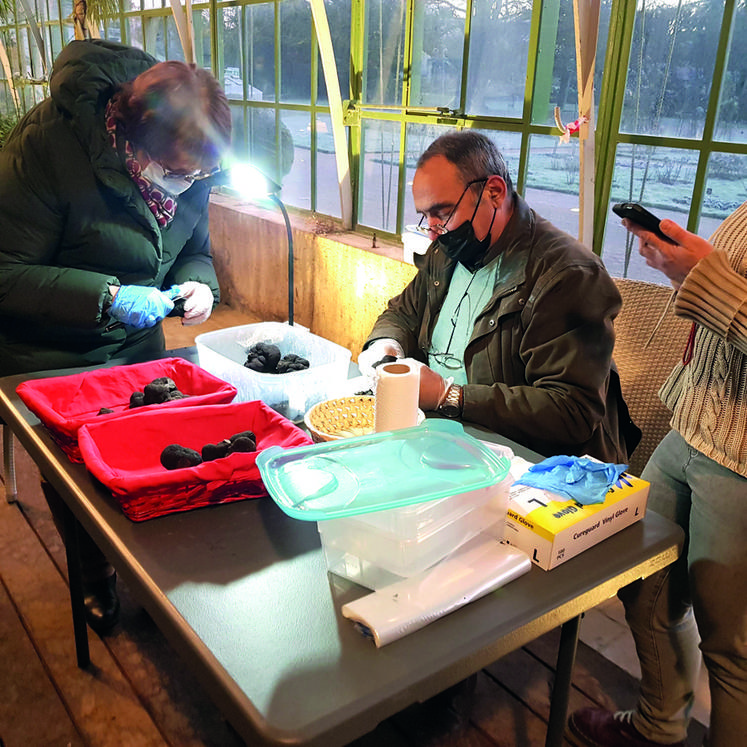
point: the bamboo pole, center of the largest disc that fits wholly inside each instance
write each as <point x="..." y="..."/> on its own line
<point x="586" y="24"/>
<point x="329" y="67"/>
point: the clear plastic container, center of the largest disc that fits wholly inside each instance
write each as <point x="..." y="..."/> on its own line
<point x="223" y="353"/>
<point x="392" y="469"/>
<point x="397" y="554"/>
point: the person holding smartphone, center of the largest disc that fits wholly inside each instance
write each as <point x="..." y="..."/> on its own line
<point x="698" y="477"/>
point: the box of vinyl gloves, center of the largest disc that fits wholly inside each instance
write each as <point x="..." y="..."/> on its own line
<point x="551" y="529"/>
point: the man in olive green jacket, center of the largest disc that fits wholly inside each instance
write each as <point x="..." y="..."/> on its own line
<point x="516" y="328"/>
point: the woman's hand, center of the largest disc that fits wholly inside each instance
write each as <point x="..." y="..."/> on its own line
<point x="675" y="259"/>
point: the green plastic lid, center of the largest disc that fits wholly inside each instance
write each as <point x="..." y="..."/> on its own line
<point x="436" y="459"/>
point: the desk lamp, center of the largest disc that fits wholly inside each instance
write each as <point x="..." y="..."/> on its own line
<point x="252" y="184"/>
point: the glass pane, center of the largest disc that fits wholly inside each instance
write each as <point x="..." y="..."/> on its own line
<point x="135" y="31"/>
<point x="67" y="8"/>
<point x="132" y="5"/>
<point x="152" y="4"/>
<point x="671" y="67"/>
<point x="259" y="25"/>
<point x="174" y="48"/>
<point x="111" y="29"/>
<point x="553" y="179"/>
<point x="238" y="133"/>
<point x="385" y="49"/>
<point x="259" y="144"/>
<point x="726" y="190"/>
<point x="53" y="12"/>
<point x="295" y="51"/>
<point x="56" y="41"/>
<point x="155" y="42"/>
<point x="379" y="182"/>
<point x="660" y="179"/>
<point x="338" y="15"/>
<point x="731" y="122"/>
<point x="229" y="35"/>
<point x="297" y="183"/>
<point x="438" y="46"/>
<point x="498" y="58"/>
<point x="201" y="27"/>
<point x="327" y="185"/>
<point x="68" y="33"/>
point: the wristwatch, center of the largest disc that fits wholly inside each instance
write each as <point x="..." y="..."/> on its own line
<point x="452" y="405"/>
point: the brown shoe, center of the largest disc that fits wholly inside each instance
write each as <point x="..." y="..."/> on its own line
<point x="596" y="727"/>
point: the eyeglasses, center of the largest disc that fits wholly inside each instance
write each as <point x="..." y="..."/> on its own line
<point x="447" y="359"/>
<point x="195" y="176"/>
<point x="440" y="228"/>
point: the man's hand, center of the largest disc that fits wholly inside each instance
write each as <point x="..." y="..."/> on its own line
<point x="674" y="260"/>
<point x="368" y="358"/>
<point x="433" y="388"/>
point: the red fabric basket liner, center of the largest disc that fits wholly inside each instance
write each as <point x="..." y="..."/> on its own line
<point x="124" y="454"/>
<point x="65" y="403"/>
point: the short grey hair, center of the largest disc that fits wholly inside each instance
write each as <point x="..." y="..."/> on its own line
<point x="474" y="155"/>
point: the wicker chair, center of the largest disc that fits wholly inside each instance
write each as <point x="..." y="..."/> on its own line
<point x="645" y="355"/>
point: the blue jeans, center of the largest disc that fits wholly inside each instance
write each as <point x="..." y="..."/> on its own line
<point x="703" y="594"/>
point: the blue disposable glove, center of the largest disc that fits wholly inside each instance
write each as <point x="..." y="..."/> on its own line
<point x="139" y="306"/>
<point x="583" y="480"/>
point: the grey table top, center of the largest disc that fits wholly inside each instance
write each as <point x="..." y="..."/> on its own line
<point x="241" y="591"/>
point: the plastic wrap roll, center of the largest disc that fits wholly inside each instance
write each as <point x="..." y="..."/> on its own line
<point x="397" y="394"/>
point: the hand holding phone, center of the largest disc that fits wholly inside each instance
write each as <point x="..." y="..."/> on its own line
<point x="640" y="216"/>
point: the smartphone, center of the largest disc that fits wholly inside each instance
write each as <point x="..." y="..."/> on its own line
<point x="638" y="214"/>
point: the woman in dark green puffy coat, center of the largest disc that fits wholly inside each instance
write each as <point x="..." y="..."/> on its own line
<point x="102" y="188"/>
<point x="104" y="191"/>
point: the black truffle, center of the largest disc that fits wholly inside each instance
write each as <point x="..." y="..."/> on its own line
<point x="215" y="451"/>
<point x="169" y="383"/>
<point x="137" y="399"/>
<point x="155" y="394"/>
<point x="263" y="357"/>
<point x="385" y="359"/>
<point x="104" y="411"/>
<point x="176" y="456"/>
<point x="242" y="444"/>
<point x="243" y="434"/>
<point x="292" y="362"/>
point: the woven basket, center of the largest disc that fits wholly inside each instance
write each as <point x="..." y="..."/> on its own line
<point x="344" y="417"/>
<point x="341" y="418"/>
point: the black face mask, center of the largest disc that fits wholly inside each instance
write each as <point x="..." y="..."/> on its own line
<point x="462" y="245"/>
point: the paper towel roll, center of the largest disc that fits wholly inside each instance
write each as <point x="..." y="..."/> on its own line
<point x="397" y="395"/>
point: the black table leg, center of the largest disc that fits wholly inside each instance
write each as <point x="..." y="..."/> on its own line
<point x="562" y="688"/>
<point x="75" y="579"/>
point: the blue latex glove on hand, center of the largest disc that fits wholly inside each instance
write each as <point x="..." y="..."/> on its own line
<point x="140" y="306"/>
<point x="198" y="301"/>
<point x="583" y="480"/>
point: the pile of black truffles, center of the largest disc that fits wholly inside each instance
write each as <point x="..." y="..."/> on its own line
<point x="264" y="357"/>
<point x="175" y="456"/>
<point x="162" y="389"/>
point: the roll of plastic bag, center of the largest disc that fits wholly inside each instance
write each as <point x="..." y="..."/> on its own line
<point x="478" y="567"/>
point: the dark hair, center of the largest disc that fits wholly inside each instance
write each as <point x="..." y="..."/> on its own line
<point x="175" y="109"/>
<point x="474" y="154"/>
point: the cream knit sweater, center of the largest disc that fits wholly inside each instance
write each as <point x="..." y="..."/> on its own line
<point x="708" y="396"/>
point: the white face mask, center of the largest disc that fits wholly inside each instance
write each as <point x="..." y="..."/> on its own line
<point x="174" y="185"/>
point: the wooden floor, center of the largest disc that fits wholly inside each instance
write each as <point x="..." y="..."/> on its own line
<point x="138" y="693"/>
